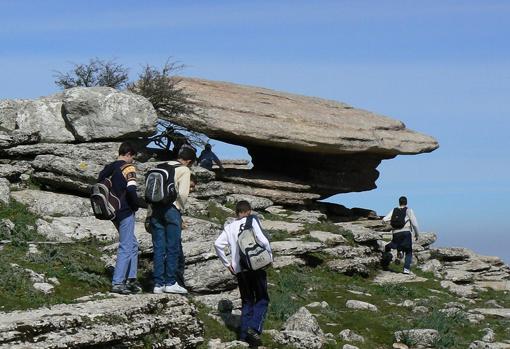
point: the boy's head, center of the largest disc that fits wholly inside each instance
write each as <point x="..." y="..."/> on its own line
<point x="402" y="201"/>
<point x="243" y="209"/>
<point x="127" y="152"/>
<point x="186" y="156"/>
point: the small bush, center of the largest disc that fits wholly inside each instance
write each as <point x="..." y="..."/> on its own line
<point x="96" y="72"/>
<point x="398" y="291"/>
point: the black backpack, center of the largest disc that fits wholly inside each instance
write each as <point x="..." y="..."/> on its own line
<point x="398" y="217"/>
<point x="160" y="184"/>
<point x="105" y="203"/>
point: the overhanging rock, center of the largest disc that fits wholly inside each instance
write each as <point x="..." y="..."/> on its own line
<point x="331" y="145"/>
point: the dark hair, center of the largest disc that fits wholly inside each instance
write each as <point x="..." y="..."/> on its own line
<point x="187" y="153"/>
<point x="127" y="148"/>
<point x="242" y="206"/>
<point x="207" y="146"/>
<point x="402" y="201"/>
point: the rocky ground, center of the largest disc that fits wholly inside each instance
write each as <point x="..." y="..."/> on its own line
<point x="326" y="287"/>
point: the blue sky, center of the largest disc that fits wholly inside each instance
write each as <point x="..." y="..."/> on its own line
<point x="442" y="67"/>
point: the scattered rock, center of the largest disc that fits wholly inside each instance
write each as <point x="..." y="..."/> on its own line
<point x="388" y="277"/>
<point x="303" y="321"/>
<point x="489" y="335"/>
<point x="498" y="312"/>
<point x="5" y="191"/>
<point x="348" y="346"/>
<point x="44" y="287"/>
<point x="322" y="305"/>
<point x="351" y="336"/>
<point x="423" y="337"/>
<point x="485" y="345"/>
<point x="359" y="305"/>
<point x="217" y="344"/>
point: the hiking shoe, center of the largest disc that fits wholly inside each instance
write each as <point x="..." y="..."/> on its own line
<point x="253" y="338"/>
<point x="175" y="288"/>
<point x="134" y="286"/>
<point x="120" y="289"/>
<point x="158" y="289"/>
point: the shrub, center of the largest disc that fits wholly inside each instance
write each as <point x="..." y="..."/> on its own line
<point x="96" y="72"/>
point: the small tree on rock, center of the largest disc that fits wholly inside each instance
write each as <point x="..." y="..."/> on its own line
<point x="96" y="72"/>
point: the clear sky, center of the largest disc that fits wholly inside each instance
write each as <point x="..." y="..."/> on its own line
<point x="442" y="67"/>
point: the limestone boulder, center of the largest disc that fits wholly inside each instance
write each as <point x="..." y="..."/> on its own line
<point x="46" y="203"/>
<point x="111" y="322"/>
<point x="301" y="330"/>
<point x="359" y="232"/>
<point x="4" y="191"/>
<point x="361" y="265"/>
<point x="44" y="116"/>
<point x="421" y="337"/>
<point x="98" y="113"/>
<point x="451" y="253"/>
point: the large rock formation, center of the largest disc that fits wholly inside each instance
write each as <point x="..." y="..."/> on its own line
<point x="330" y="145"/>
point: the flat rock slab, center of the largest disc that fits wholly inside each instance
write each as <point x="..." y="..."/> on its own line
<point x="359" y="305"/>
<point x="325" y="125"/>
<point x="503" y="285"/>
<point x="500" y="312"/>
<point x="289" y="227"/>
<point x="104" y="322"/>
<point x="45" y="203"/>
<point x="388" y="277"/>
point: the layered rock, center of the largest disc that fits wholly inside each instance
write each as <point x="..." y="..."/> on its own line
<point x="331" y="145"/>
<point x="107" y="323"/>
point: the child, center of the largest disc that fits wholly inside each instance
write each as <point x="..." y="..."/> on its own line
<point x="252" y="283"/>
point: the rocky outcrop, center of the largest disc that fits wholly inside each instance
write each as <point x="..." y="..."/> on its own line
<point x="338" y="147"/>
<point x="109" y="322"/>
<point x="98" y="113"/>
<point x="80" y="114"/>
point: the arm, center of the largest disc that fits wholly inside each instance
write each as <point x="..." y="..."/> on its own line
<point x="183" y="182"/>
<point x="129" y="173"/>
<point x="219" y="245"/>
<point x="387" y="218"/>
<point x="414" y="222"/>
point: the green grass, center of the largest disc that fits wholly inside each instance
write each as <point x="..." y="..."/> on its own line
<point x="293" y="287"/>
<point x="216" y="214"/>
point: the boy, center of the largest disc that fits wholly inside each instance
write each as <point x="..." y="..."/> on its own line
<point x="123" y="177"/>
<point x="166" y="227"/>
<point x="252" y="283"/>
<point x="401" y="238"/>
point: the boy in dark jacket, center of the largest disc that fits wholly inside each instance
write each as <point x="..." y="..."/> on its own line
<point x="123" y="176"/>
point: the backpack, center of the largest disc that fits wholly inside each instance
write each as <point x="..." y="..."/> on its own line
<point x="253" y="255"/>
<point x="160" y="184"/>
<point x="398" y="218"/>
<point x="105" y="203"/>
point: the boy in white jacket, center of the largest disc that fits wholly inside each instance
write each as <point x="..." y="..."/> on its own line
<point x="252" y="283"/>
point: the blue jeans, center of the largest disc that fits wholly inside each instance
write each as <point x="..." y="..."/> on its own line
<point x="402" y="241"/>
<point x="254" y="299"/>
<point x="127" y="253"/>
<point x="166" y="240"/>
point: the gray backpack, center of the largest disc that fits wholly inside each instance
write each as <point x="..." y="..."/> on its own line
<point x="253" y="255"/>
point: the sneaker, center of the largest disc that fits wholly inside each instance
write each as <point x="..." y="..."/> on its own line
<point x="134" y="286"/>
<point x="253" y="338"/>
<point x="175" y="288"/>
<point x="158" y="289"/>
<point x="407" y="271"/>
<point x="120" y="289"/>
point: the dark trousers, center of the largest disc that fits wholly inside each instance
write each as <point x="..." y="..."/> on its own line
<point x="254" y="298"/>
<point x="402" y="241"/>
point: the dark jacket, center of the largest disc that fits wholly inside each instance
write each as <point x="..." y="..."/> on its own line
<point x="123" y="178"/>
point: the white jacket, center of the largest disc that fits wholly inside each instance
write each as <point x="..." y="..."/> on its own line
<point x="228" y="237"/>
<point x="411" y="222"/>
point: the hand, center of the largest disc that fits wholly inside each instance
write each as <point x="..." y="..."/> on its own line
<point x="183" y="225"/>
